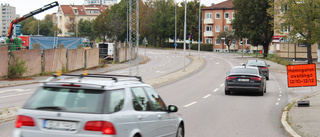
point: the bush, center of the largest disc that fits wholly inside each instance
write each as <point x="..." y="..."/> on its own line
<point x="276" y="59"/>
<point x="16" y="68"/>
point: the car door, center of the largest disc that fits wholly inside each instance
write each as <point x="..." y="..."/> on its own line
<point x="146" y="119"/>
<point x="166" y="121"/>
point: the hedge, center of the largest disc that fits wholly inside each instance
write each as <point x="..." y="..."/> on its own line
<point x="203" y="47"/>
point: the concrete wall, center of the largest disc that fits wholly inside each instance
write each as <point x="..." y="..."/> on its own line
<point x="4" y="61"/>
<point x="54" y="59"/>
<point x="32" y="58"/>
<point x="75" y="59"/>
<point x="91" y="58"/>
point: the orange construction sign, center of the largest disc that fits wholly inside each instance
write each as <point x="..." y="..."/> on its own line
<point x="302" y="75"/>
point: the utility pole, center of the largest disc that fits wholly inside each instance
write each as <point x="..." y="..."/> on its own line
<point x="199" y="41"/>
<point x="175" y="26"/>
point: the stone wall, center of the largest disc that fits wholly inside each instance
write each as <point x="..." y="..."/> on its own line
<point x="4" y="61"/>
<point x="54" y="59"/>
<point x="91" y="58"/>
<point x="32" y="58"/>
<point x="75" y="59"/>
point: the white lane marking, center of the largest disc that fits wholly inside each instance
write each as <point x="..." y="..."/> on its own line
<point x="190" y="104"/>
<point x="216" y="90"/>
<point x="222" y="85"/>
<point x="217" y="63"/>
<point x="207" y="96"/>
<point x="278" y="98"/>
<point x="280" y="92"/>
<point x="16" y="95"/>
<point x="280" y="95"/>
<point x="279" y="88"/>
<point x="277" y="103"/>
<point x="19" y="90"/>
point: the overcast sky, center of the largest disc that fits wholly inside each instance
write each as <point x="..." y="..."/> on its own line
<point x="25" y="6"/>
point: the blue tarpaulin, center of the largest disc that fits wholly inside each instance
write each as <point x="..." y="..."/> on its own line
<point x="52" y="42"/>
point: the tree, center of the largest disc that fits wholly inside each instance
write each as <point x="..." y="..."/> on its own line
<point x="303" y="19"/>
<point x="252" y="21"/>
<point x="100" y="26"/>
<point x="228" y="37"/>
<point x="71" y="25"/>
<point x="84" y="28"/>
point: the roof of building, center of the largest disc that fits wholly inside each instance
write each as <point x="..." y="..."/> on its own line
<point x="223" y="5"/>
<point x="69" y="9"/>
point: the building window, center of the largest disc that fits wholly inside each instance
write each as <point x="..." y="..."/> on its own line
<point x="217" y="28"/>
<point x="217" y="15"/>
<point x="248" y="42"/>
<point x="208" y="15"/>
<point x="88" y="19"/>
<point x="284" y="28"/>
<point x="4" y="13"/>
<point x="226" y="28"/>
<point x="226" y="15"/>
<point x="209" y="40"/>
<point x="75" y="11"/>
<point x="3" y="9"/>
<point x="209" y="28"/>
<point x="95" y="11"/>
<point x="217" y="41"/>
<point x="233" y="15"/>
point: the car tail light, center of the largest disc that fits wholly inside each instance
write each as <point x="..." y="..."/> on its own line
<point x="24" y="121"/>
<point x="70" y="85"/>
<point x="264" y="68"/>
<point x="255" y="78"/>
<point x="231" y="77"/>
<point x="103" y="126"/>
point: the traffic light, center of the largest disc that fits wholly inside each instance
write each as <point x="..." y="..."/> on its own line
<point x="241" y="42"/>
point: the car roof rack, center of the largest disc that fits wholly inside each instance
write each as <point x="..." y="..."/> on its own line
<point x="113" y="77"/>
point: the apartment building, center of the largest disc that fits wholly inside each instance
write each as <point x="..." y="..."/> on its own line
<point x="7" y="14"/>
<point x="74" y="13"/>
<point x="285" y="49"/>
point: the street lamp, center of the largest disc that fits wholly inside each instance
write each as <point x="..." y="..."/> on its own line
<point x="185" y="33"/>
<point x="199" y="41"/>
<point x="175" y="26"/>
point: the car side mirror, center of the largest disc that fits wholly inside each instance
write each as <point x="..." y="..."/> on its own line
<point x="228" y="73"/>
<point x="243" y="64"/>
<point x="172" y="108"/>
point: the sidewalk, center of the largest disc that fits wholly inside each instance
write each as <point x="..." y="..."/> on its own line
<point x="303" y="121"/>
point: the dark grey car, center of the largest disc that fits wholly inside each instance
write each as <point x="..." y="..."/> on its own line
<point x="261" y="64"/>
<point x="244" y="79"/>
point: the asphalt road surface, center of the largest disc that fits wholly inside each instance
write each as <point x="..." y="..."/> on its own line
<point x="206" y="110"/>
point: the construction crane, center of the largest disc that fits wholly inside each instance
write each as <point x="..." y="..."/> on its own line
<point x="32" y="13"/>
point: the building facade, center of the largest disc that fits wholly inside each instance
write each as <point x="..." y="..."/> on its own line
<point x="8" y="13"/>
<point x="68" y="14"/>
<point x="100" y="2"/>
<point x="285" y="49"/>
<point x="216" y="19"/>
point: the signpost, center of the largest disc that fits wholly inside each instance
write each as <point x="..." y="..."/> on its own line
<point x="175" y="47"/>
<point x="302" y="76"/>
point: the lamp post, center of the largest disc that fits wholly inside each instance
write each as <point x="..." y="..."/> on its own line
<point x="175" y="27"/>
<point x="199" y="41"/>
<point x="185" y="33"/>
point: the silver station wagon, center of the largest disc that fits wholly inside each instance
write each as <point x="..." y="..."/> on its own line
<point x="97" y="105"/>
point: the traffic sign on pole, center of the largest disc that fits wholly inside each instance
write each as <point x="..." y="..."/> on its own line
<point x="175" y="44"/>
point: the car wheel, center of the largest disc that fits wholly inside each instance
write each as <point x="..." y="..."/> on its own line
<point x="227" y="92"/>
<point x="265" y="89"/>
<point x="267" y="78"/>
<point x="261" y="92"/>
<point x="180" y="132"/>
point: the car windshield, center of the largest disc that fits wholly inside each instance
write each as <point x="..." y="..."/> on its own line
<point x="67" y="100"/>
<point x="256" y="63"/>
<point x="244" y="71"/>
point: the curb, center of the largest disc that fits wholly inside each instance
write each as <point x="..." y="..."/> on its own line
<point x="285" y="113"/>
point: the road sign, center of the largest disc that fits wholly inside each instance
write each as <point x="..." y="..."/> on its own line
<point x="301" y="75"/>
<point x="175" y="44"/>
<point x="200" y="42"/>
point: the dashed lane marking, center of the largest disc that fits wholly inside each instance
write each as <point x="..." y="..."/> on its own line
<point x="277" y="104"/>
<point x="16" y="95"/>
<point x="207" y="96"/>
<point x="216" y="90"/>
<point x="222" y="85"/>
<point x="190" y="104"/>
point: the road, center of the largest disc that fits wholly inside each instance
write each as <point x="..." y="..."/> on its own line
<point x="206" y="110"/>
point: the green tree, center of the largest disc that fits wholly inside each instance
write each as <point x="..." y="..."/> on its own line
<point x="84" y="28"/>
<point x="100" y="25"/>
<point x="228" y="36"/>
<point x="252" y="21"/>
<point x="71" y="25"/>
<point x="303" y="19"/>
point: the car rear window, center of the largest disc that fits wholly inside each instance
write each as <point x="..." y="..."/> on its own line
<point x="244" y="71"/>
<point x="256" y="63"/>
<point x="67" y="100"/>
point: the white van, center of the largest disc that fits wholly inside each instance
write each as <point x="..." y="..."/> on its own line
<point x="106" y="50"/>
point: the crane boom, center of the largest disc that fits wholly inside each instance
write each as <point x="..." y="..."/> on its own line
<point x="46" y="7"/>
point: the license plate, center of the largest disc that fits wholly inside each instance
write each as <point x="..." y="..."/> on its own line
<point x="244" y="80"/>
<point x="60" y="125"/>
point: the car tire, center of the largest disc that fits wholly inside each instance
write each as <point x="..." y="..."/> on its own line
<point x="261" y="92"/>
<point x="180" y="131"/>
<point x="227" y="92"/>
<point x="265" y="89"/>
<point x="267" y="78"/>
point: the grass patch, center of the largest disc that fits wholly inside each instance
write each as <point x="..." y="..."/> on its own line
<point x="276" y="59"/>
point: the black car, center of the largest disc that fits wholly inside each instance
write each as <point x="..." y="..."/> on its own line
<point x="244" y="79"/>
<point x="261" y="64"/>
